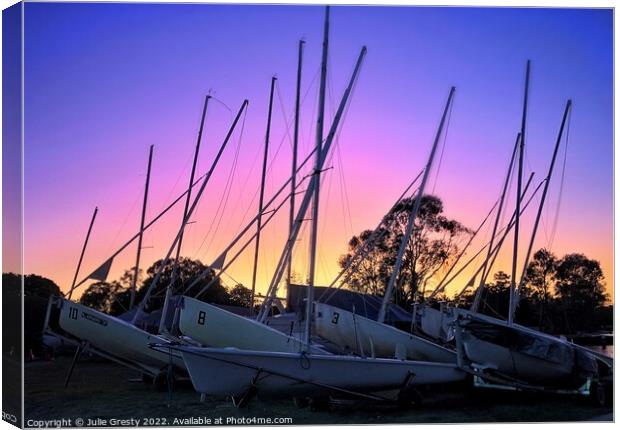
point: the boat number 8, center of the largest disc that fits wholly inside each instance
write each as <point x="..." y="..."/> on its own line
<point x="335" y="318"/>
<point x="201" y="317"/>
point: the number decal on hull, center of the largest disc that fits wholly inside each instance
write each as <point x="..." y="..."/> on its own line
<point x="73" y="313"/>
<point x="335" y="318"/>
<point x="201" y="317"/>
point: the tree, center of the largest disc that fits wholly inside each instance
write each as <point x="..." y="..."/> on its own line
<point x="579" y="287"/>
<point x="371" y="275"/>
<point x="122" y="298"/>
<point x="35" y="285"/>
<point x="188" y="271"/>
<point x="37" y="291"/>
<point x="496" y="296"/>
<point x="101" y="295"/>
<point x="540" y="279"/>
<point x="240" y="296"/>
<point x="114" y="297"/>
<point x="433" y="245"/>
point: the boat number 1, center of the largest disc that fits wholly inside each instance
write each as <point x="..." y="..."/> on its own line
<point x="201" y="317"/>
<point x="73" y="313"/>
<point x="335" y="318"/>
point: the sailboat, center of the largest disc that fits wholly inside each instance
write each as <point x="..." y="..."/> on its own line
<point x="238" y="372"/>
<point x="216" y="327"/>
<point x="363" y="335"/>
<point x="507" y="353"/>
<point x="234" y="372"/>
<point x="114" y="338"/>
<point x="213" y="326"/>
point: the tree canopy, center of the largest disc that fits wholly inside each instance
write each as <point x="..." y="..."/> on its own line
<point x="560" y="295"/>
<point x="114" y="297"/>
<point x="434" y="243"/>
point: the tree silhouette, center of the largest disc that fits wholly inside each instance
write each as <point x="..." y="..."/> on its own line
<point x="240" y="296"/>
<point x="37" y="291"/>
<point x="114" y="297"/>
<point x="540" y="279"/>
<point x="579" y="287"/>
<point x="101" y="296"/>
<point x="434" y="243"/>
<point x="496" y="296"/>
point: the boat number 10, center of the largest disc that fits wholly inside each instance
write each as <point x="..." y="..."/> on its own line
<point x="201" y="317"/>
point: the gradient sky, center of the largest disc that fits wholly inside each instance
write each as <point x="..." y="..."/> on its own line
<point x="105" y="81"/>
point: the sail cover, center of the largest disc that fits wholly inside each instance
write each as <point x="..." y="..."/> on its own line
<point x="365" y="305"/>
<point x="544" y="348"/>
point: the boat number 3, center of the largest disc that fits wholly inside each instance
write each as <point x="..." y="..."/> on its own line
<point x="73" y="313"/>
<point x="201" y="317"/>
<point x="335" y="318"/>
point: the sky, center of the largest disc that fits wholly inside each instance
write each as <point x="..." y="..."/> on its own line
<point x="103" y="82"/>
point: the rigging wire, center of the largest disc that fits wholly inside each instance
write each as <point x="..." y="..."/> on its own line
<point x="443" y="148"/>
<point x="219" y="213"/>
<point x="125" y="220"/>
<point x="561" y="190"/>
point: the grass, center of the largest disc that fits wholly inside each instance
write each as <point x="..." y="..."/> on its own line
<point x="101" y="389"/>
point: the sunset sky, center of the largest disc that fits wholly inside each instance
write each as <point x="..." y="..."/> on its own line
<point x="105" y="81"/>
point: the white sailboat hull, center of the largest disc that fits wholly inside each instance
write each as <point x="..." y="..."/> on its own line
<point x="436" y="323"/>
<point x="226" y="372"/>
<point x="216" y="327"/>
<point x="364" y="336"/>
<point x="115" y="337"/>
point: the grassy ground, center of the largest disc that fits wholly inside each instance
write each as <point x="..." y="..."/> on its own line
<point x="104" y="390"/>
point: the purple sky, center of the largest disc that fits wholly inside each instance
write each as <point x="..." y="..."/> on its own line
<point x="105" y="81"/>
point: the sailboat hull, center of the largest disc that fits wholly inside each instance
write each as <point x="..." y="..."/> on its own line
<point x="523" y="354"/>
<point x="364" y="336"/>
<point x="116" y="338"/>
<point x="216" y="327"/>
<point x="224" y="372"/>
<point x="513" y="363"/>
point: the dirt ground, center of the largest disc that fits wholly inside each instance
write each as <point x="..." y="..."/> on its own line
<point x="103" y="390"/>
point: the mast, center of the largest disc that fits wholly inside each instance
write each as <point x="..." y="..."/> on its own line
<point x="567" y="109"/>
<point x="262" y="191"/>
<point x="300" y="53"/>
<point x="377" y="233"/>
<point x="175" y="268"/>
<point x="413" y="214"/>
<point x="224" y="253"/>
<point x="136" y="271"/>
<point x="205" y="181"/>
<point x="317" y="180"/>
<point x="478" y="296"/>
<point x="439" y="286"/>
<point x="146" y="227"/>
<point x="506" y="229"/>
<point x="515" y="249"/>
<point x="305" y="203"/>
<point x="77" y="270"/>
